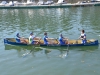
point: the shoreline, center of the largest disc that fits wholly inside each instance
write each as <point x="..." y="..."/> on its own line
<point x="51" y="6"/>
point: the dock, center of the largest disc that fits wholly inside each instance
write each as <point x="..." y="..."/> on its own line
<point x="51" y="6"/>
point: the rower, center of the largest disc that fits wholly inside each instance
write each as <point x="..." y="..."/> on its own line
<point x="83" y="37"/>
<point x="49" y="40"/>
<point x="20" y="39"/>
<point x="62" y="40"/>
<point x="33" y="39"/>
<point x="45" y="38"/>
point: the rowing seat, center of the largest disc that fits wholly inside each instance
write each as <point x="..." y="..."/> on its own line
<point x="72" y="41"/>
<point x="53" y="41"/>
<point x="90" y="40"/>
<point x="79" y="41"/>
<point x="75" y="41"/>
<point x="41" y="42"/>
<point x="50" y="41"/>
<point x="11" y="39"/>
<point x="37" y="38"/>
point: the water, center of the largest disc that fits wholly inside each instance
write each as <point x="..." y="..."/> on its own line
<point x="50" y="60"/>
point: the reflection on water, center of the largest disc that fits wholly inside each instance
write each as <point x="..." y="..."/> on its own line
<point x="25" y="51"/>
<point x="22" y="49"/>
<point x="62" y="52"/>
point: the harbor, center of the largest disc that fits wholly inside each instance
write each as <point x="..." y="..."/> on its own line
<point x="16" y="5"/>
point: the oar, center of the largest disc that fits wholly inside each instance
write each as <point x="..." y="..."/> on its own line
<point x="67" y="50"/>
<point x="66" y="53"/>
<point x="67" y="47"/>
<point x="24" y="55"/>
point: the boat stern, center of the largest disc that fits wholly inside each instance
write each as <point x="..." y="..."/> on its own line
<point x="5" y="41"/>
<point x="96" y="42"/>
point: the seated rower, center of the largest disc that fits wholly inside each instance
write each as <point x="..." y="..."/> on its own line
<point x="33" y="39"/>
<point x="20" y="39"/>
<point x="62" y="40"/>
<point x="83" y="37"/>
<point x="45" y="38"/>
<point x="48" y="40"/>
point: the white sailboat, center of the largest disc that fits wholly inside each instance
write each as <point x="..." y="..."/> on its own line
<point x="49" y="2"/>
<point x="98" y="0"/>
<point x="41" y="2"/>
<point x="95" y="0"/>
<point x="29" y="1"/>
<point x="3" y="3"/>
<point x="60" y="1"/>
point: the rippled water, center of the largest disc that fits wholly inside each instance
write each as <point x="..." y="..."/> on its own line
<point x="50" y="60"/>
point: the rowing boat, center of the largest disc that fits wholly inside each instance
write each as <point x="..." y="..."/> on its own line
<point x="55" y="42"/>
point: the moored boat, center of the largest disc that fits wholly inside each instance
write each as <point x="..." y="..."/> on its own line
<point x="55" y="42"/>
<point x="43" y="5"/>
